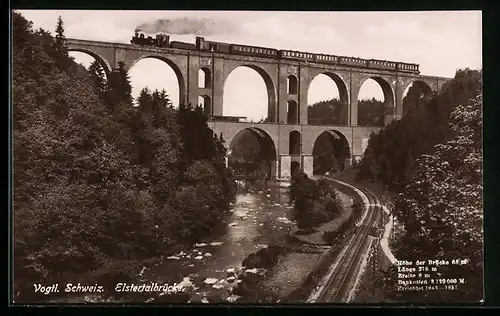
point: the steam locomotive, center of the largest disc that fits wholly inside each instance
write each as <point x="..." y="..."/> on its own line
<point x="163" y="41"/>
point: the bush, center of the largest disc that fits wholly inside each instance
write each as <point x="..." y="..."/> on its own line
<point x="264" y="258"/>
<point x="316" y="202"/>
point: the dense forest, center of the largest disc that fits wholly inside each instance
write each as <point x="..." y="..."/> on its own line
<point x="441" y="207"/>
<point x="246" y="155"/>
<point x="391" y="154"/>
<point x="99" y="184"/>
<point x="370" y="113"/>
<point x="432" y="160"/>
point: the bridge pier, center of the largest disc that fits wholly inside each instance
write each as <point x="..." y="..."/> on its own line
<point x="307" y="165"/>
<point x="274" y="169"/>
<point x="285" y="167"/>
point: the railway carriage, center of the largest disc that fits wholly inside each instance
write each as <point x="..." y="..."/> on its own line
<point x="220" y="47"/>
<point x="253" y="51"/>
<point x="326" y="59"/>
<point x="211" y="46"/>
<point x="182" y="45"/>
<point x="294" y="55"/>
<point x="381" y="64"/>
<point x="413" y="68"/>
<point x="353" y="61"/>
<point x="201" y="44"/>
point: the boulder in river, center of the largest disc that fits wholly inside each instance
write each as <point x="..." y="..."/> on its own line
<point x="173" y="258"/>
<point x="284" y="220"/>
<point x="210" y="281"/>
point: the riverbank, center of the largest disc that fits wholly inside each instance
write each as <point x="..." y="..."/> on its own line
<point x="298" y="272"/>
<point x="259" y="218"/>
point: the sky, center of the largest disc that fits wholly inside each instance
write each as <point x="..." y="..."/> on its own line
<point x="440" y="41"/>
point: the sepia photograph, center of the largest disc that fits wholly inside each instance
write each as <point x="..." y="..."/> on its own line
<point x="238" y="157"/>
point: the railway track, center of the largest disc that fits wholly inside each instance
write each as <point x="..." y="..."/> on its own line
<point x="340" y="279"/>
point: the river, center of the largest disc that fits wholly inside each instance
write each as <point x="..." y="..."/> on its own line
<point x="259" y="217"/>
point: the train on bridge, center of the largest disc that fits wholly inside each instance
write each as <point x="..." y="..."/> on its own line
<point x="163" y="41"/>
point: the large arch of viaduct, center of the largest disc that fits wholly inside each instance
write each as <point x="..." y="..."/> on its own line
<point x="276" y="73"/>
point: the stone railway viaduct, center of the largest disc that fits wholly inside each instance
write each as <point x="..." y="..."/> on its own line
<point x="279" y="76"/>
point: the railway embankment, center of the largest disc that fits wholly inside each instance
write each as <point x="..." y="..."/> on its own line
<point x="386" y="197"/>
<point x="370" y="288"/>
<point x="341" y="231"/>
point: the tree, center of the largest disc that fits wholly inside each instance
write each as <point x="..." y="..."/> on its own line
<point x="119" y="87"/>
<point x="98" y="78"/>
<point x="325" y="112"/>
<point x="100" y="187"/>
<point x="246" y="153"/>
<point x="315" y="202"/>
<point x="391" y="153"/>
<point x="124" y="86"/>
<point x="371" y="112"/>
<point x="60" y="52"/>
<point x="71" y="179"/>
<point x="441" y="206"/>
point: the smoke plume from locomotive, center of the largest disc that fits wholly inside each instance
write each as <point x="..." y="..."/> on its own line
<point x="186" y="26"/>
